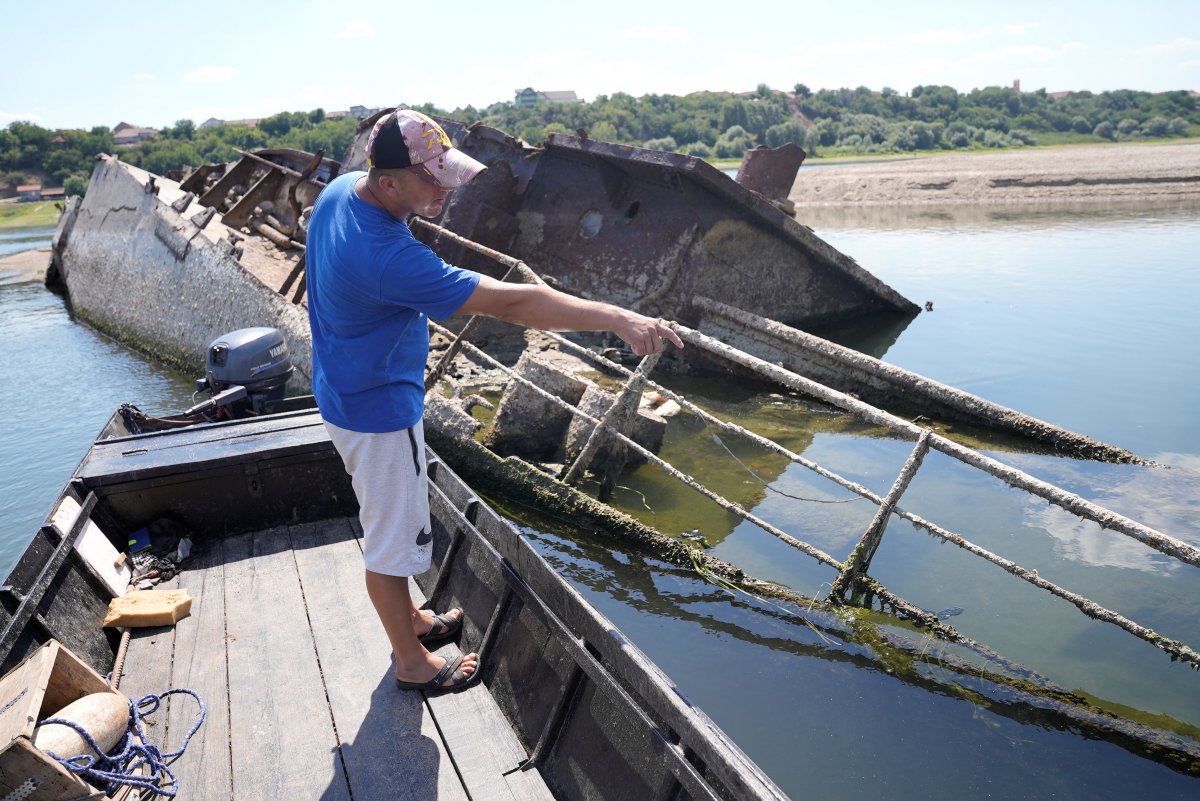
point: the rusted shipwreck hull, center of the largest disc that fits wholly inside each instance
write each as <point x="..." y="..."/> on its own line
<point x="648" y="230"/>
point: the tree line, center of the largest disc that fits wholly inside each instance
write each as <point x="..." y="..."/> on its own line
<point x="709" y="125"/>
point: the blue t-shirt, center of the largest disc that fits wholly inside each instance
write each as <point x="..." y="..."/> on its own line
<point x="371" y="286"/>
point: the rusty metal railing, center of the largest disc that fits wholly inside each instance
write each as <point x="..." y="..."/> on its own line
<point x="852" y="575"/>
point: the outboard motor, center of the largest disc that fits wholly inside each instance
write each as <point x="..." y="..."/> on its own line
<point x="245" y="371"/>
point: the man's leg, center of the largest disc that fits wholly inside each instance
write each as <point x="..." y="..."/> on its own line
<point x="394" y="605"/>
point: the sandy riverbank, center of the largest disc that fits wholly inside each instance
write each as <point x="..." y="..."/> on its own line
<point x="28" y="265"/>
<point x="1113" y="173"/>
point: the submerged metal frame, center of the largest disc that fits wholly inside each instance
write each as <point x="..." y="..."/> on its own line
<point x="852" y="575"/>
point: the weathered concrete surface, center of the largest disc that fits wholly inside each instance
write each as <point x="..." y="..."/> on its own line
<point x="530" y="426"/>
<point x="147" y="274"/>
<point x="646" y="429"/>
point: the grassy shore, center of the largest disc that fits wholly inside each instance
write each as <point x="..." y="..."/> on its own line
<point x="28" y="215"/>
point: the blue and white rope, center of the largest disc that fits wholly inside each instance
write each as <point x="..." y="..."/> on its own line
<point x="122" y="766"/>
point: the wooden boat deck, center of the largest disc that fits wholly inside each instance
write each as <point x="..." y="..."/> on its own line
<point x="287" y="653"/>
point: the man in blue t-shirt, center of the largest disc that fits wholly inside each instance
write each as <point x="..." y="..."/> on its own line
<point x="371" y="289"/>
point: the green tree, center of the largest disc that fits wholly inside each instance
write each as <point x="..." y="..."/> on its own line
<point x="666" y="143"/>
<point x="76" y="184"/>
<point x="1156" y="126"/>
<point x="183" y="129"/>
<point x="733" y="143"/>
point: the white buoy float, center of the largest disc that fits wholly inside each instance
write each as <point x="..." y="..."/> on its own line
<point x="105" y="716"/>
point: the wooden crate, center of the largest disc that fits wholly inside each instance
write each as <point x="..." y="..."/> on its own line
<point x="49" y="679"/>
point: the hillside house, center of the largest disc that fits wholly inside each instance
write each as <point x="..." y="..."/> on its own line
<point x="530" y="97"/>
<point x="126" y="134"/>
<point x="29" y="192"/>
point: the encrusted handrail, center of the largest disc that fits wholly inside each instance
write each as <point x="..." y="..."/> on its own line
<point x="852" y="573"/>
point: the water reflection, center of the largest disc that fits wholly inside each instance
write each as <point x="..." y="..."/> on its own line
<point x="1082" y="317"/>
<point x="820" y="664"/>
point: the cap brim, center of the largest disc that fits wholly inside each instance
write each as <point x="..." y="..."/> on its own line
<point x="452" y="169"/>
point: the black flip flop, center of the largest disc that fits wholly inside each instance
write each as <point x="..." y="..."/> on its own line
<point x="449" y="626"/>
<point x="450" y="670"/>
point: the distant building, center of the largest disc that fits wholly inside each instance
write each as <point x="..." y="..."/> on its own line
<point x="126" y="134"/>
<point x="530" y="97"/>
<point x="1057" y="95"/>
<point x="29" y="192"/>
<point x="335" y="115"/>
<point x="213" y="122"/>
<point x="362" y="112"/>
<point x="56" y="193"/>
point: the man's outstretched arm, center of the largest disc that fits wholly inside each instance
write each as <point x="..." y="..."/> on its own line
<point x="541" y="307"/>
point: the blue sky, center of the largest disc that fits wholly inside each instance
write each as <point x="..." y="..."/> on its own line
<point x="80" y="64"/>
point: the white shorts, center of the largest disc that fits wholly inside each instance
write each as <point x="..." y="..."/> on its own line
<point x="389" y="476"/>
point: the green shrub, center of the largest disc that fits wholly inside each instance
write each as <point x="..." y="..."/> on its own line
<point x="666" y="143"/>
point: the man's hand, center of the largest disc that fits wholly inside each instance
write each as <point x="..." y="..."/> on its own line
<point x="645" y="334"/>
<point x="541" y="307"/>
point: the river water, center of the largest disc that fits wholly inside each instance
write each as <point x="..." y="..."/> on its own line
<point x="1081" y="317"/>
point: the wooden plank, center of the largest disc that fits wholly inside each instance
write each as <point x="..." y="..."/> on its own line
<point x="528" y="785"/>
<point x="479" y="738"/>
<point x="390" y="745"/>
<point x="282" y="740"/>
<point x="148" y="665"/>
<point x="203" y="771"/>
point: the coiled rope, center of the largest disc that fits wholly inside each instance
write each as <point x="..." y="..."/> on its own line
<point x="123" y="765"/>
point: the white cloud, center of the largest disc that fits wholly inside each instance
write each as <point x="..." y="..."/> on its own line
<point x="1014" y="52"/>
<point x="355" y="29"/>
<point x="1019" y="28"/>
<point x="564" y="59"/>
<point x="943" y="37"/>
<point x="657" y="33"/>
<point x="850" y="48"/>
<point x="1083" y="541"/>
<point x="1181" y="44"/>
<point x="23" y="116"/>
<point x="257" y="109"/>
<point x="333" y="97"/>
<point x="1070" y="46"/>
<point x="210" y="74"/>
<point x="143" y="76"/>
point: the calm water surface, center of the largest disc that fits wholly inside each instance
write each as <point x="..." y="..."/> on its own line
<point x="1081" y="318"/>
<point x="1084" y="318"/>
<point x="59" y="382"/>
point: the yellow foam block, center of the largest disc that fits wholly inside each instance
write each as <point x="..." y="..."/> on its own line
<point x="142" y="608"/>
